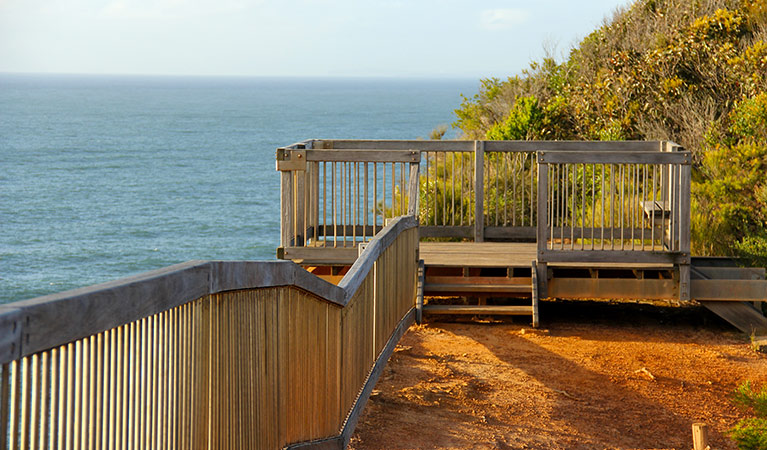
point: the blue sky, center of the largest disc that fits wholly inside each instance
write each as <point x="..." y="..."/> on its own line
<point x="390" y="38"/>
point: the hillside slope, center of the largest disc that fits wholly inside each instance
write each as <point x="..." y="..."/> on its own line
<point x="694" y="72"/>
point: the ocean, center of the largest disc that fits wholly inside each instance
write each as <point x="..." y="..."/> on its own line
<point x="103" y="177"/>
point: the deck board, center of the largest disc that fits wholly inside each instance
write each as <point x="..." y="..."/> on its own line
<point x="501" y="254"/>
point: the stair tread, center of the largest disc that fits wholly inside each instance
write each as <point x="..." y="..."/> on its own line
<point x="462" y="287"/>
<point x="480" y="309"/>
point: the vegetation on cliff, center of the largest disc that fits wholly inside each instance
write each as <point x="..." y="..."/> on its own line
<point x="694" y="72"/>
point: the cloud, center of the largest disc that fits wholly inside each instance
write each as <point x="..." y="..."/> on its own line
<point x="504" y="18"/>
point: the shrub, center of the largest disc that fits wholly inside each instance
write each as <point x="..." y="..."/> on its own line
<point x="751" y="433"/>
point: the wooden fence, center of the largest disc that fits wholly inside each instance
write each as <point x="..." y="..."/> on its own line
<point x="488" y="190"/>
<point x="215" y="355"/>
<point x="333" y="200"/>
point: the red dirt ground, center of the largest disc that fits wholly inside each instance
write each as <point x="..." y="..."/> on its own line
<point x="588" y="380"/>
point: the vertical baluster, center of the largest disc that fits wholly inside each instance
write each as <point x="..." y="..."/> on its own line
<point x="383" y="196"/>
<point x="573" y="209"/>
<point x="463" y="183"/>
<point x="583" y="202"/>
<point x="402" y="189"/>
<point x="393" y="190"/>
<point x="78" y="391"/>
<point x="593" y="202"/>
<point x="63" y="391"/>
<point x="654" y="203"/>
<point x="444" y="188"/>
<point x="551" y="206"/>
<point x="342" y="189"/>
<point x="565" y="198"/>
<point x="643" y="200"/>
<point x="612" y="206"/>
<point x="375" y="197"/>
<point x="426" y="189"/>
<point x="452" y="174"/>
<point x="365" y="208"/>
<point x="602" y="213"/>
<point x="497" y="189"/>
<point x="45" y="395"/>
<point x="356" y="202"/>
<point x="663" y="203"/>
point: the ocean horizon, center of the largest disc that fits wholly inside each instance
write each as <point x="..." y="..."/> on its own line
<point x="105" y="176"/>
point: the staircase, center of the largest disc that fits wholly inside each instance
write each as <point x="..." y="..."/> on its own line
<point x="510" y="291"/>
<point x="718" y="284"/>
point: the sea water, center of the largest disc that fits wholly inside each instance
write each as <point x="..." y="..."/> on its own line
<point x="107" y="176"/>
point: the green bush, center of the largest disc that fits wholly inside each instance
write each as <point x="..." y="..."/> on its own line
<point x="751" y="433"/>
<point x="691" y="72"/>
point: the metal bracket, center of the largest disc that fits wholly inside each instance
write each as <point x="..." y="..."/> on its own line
<point x="291" y="160"/>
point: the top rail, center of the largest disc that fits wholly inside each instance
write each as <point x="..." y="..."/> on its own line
<point x="490" y="146"/>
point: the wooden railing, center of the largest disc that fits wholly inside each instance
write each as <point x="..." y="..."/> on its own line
<point x="621" y="206"/>
<point x="333" y="200"/>
<point x="461" y="181"/>
<point x="206" y="354"/>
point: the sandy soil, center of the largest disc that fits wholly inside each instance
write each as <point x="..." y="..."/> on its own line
<point x="605" y="376"/>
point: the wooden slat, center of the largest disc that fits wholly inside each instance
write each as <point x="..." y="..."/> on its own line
<point x="729" y="290"/>
<point x="612" y="256"/>
<point x="511" y="310"/>
<point x="372" y="155"/>
<point x="612" y="289"/>
<point x="477" y="288"/>
<point x="732" y="273"/>
<point x="466" y="232"/>
<point x="494" y="146"/>
<point x="741" y="315"/>
<point x="616" y="157"/>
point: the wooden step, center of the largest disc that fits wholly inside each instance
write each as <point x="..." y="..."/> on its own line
<point x="479" y="288"/>
<point x="484" y="285"/>
<point x="509" y="310"/>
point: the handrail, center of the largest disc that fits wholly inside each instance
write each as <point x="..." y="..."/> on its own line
<point x="206" y="353"/>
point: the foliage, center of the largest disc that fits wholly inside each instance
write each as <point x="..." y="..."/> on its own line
<point x="731" y="202"/>
<point x="691" y="72"/>
<point x="751" y="433"/>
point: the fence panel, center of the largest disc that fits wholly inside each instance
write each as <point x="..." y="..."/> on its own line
<point x="270" y="356"/>
<point x="622" y="206"/>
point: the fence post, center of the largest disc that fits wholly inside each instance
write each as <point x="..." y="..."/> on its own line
<point x="286" y="208"/>
<point x="684" y="228"/>
<point x="479" y="191"/>
<point x="700" y="436"/>
<point x="542" y="228"/>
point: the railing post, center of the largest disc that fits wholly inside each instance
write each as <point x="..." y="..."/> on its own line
<point x="684" y="229"/>
<point x="479" y="191"/>
<point x="291" y="162"/>
<point x="286" y="208"/>
<point x="542" y="228"/>
<point x="413" y="190"/>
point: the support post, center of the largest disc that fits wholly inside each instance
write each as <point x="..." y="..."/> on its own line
<point x="419" y="294"/>
<point x="542" y="227"/>
<point x="700" y="436"/>
<point x="479" y="191"/>
<point x="684" y="230"/>
<point x="286" y="209"/>
<point x="534" y="272"/>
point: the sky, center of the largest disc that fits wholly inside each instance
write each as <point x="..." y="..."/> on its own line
<point x="318" y="38"/>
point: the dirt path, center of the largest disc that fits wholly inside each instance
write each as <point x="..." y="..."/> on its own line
<point x="626" y="382"/>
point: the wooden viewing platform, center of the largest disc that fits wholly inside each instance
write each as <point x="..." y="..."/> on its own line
<point x="617" y="221"/>
<point x="284" y="354"/>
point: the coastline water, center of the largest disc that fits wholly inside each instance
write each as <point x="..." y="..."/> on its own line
<point x="108" y="176"/>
